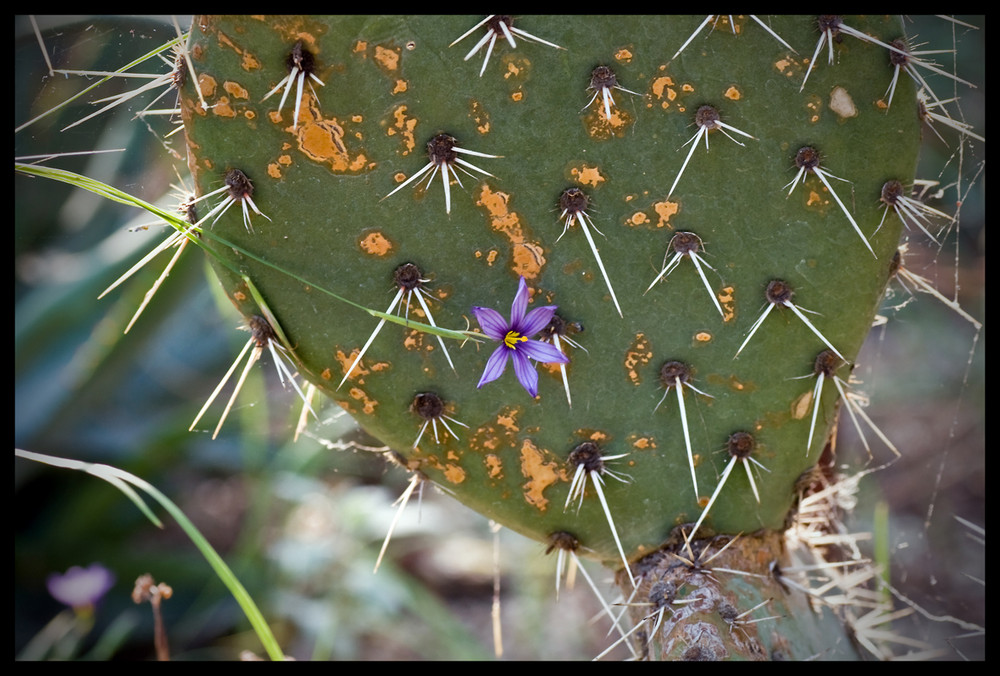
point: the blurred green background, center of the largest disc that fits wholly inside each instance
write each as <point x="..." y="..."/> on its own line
<point x="301" y="523"/>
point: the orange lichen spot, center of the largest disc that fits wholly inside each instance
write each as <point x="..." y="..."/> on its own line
<point x="479" y="115"/>
<point x="881" y="104"/>
<point x="638" y="354"/>
<point x="815" y="105"/>
<point x="404" y="126"/>
<point x="414" y="340"/>
<point x="802" y="405"/>
<point x="454" y="473"/>
<point x="587" y="175"/>
<point x="597" y="436"/>
<point x="643" y="443"/>
<point x="491" y="257"/>
<point x="703" y="502"/>
<point x="326" y="374"/>
<point x="221" y="108"/>
<point x="733" y="94"/>
<point x="527" y="257"/>
<point x="400" y="87"/>
<point x="665" y="210"/>
<point x="375" y="243"/>
<point x="360" y="47"/>
<point x="507" y="419"/>
<point x="517" y="96"/>
<point x="494" y="467"/>
<point x="623" y="55"/>
<point x="368" y="404"/>
<point x="387" y="58"/>
<point x="235" y="90"/>
<point x="787" y="67"/>
<point x="240" y="296"/>
<point x="286" y="160"/>
<point x="663" y="90"/>
<point x="725" y="297"/>
<point x="360" y="371"/>
<point x="273" y="170"/>
<point x="687" y="87"/>
<point x="249" y="114"/>
<point x="703" y="337"/>
<point x="638" y="218"/>
<point x="600" y="127"/>
<point x="814" y="199"/>
<point x="207" y="84"/>
<point x="540" y="472"/>
<point x="249" y="62"/>
<point x="322" y="140"/>
<point x="357" y="119"/>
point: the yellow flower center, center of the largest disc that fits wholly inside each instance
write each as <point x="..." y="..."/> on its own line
<point x="513" y="337"/>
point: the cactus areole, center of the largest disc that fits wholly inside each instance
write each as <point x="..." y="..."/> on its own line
<point x="499" y="151"/>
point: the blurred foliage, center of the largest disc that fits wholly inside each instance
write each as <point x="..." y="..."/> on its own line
<point x="302" y="522"/>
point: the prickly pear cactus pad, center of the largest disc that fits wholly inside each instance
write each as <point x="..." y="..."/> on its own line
<point x="705" y="225"/>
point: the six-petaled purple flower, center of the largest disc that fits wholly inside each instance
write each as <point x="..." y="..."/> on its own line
<point x="515" y="344"/>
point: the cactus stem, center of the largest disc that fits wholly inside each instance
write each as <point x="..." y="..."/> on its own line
<point x="707" y="119"/>
<point x="687" y="244"/>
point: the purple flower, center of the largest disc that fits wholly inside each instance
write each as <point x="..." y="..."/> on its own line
<point x="81" y="587"/>
<point x="514" y="343"/>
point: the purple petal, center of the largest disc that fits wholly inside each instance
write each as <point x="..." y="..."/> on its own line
<point x="492" y="322"/>
<point x="526" y="373"/>
<point x="495" y="365"/>
<point x="81" y="587"/>
<point x="541" y="352"/>
<point x="520" y="304"/>
<point x="536" y="320"/>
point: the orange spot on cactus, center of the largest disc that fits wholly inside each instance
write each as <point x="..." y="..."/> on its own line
<point x="240" y="296"/>
<point x="326" y="374"/>
<point x="517" y="96"/>
<point x="665" y="210"/>
<point x="638" y="218"/>
<point x="374" y="243"/>
<point x="623" y="55"/>
<point x="814" y="199"/>
<point x="207" y="84"/>
<point x="360" y="371"/>
<point x="527" y="257"/>
<point x="540" y="472"/>
<point x="400" y="87"/>
<point x="637" y="355"/>
<point x="387" y="58"/>
<point x="643" y="443"/>
<point x="404" y="126"/>
<point x="586" y="175"/>
<point x="222" y="108"/>
<point x="273" y="170"/>
<point x="479" y="116"/>
<point x="733" y="94"/>
<point x="368" y="404"/>
<point x="703" y="337"/>
<point x="454" y="474"/>
<point x="235" y="90"/>
<point x="728" y="305"/>
<point x="494" y="467"/>
<point x="360" y="47"/>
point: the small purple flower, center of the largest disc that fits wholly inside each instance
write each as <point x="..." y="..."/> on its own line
<point x="81" y="587"/>
<point x="514" y="343"/>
